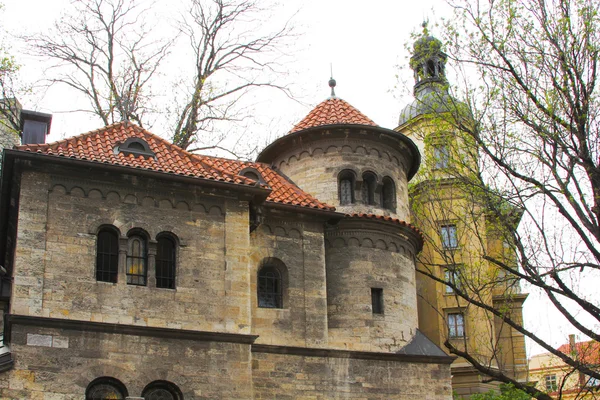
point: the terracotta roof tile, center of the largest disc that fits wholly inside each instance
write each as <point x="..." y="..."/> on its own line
<point x="587" y="352"/>
<point x="283" y="191"/>
<point x="99" y="146"/>
<point x="333" y="111"/>
<point x="388" y="219"/>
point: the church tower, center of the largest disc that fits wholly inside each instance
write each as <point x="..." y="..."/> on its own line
<point x="459" y="232"/>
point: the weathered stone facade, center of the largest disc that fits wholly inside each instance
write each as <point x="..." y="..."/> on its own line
<point x="209" y="335"/>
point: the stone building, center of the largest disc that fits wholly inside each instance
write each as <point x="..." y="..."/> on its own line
<point x="459" y="233"/>
<point x="135" y="269"/>
<point x="140" y="270"/>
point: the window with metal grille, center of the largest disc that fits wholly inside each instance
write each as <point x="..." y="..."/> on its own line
<point x="456" y="325"/>
<point x="107" y="255"/>
<point x="346" y="187"/>
<point x="105" y="388"/>
<point x="162" y="390"/>
<point x="377" y="300"/>
<point x="165" y="263"/>
<point x="270" y="288"/>
<point x="137" y="260"/>
<point x="368" y="188"/>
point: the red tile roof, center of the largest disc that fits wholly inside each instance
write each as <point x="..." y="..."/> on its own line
<point x="284" y="191"/>
<point x="388" y="219"/>
<point x="99" y="146"/>
<point x="587" y="352"/>
<point x="333" y="111"/>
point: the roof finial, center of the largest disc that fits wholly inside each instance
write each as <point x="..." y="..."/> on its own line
<point x="332" y="82"/>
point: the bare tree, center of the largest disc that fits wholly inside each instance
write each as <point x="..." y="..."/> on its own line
<point x="233" y="53"/>
<point x="103" y="50"/>
<point x="525" y="148"/>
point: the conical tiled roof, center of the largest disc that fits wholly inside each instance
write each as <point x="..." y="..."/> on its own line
<point x="100" y="146"/>
<point x="333" y="111"/>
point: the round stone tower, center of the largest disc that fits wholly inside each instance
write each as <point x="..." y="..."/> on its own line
<point x="343" y="158"/>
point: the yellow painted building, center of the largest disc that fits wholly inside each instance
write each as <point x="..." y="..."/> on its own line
<point x="459" y="231"/>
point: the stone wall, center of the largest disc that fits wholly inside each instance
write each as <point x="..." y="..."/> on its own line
<point x="59" y="364"/>
<point x="315" y="169"/>
<point x="361" y="255"/>
<point x="298" y="246"/>
<point x="56" y="253"/>
<point x="286" y="376"/>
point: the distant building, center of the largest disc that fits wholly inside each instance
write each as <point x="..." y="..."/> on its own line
<point x="552" y="375"/>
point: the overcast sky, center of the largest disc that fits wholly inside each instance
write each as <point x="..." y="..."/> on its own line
<point x="365" y="44"/>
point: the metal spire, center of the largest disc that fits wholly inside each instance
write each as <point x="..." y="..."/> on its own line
<point x="332" y="82"/>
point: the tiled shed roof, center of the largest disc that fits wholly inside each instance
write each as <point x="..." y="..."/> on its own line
<point x="333" y="111"/>
<point x="99" y="146"/>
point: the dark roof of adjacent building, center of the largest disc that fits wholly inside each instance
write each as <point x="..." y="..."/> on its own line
<point x="102" y="146"/>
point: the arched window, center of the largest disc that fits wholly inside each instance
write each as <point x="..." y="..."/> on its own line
<point x="162" y="390"/>
<point x="166" y="261"/>
<point x="368" y="188"/>
<point x="270" y="287"/>
<point x="105" y="388"/>
<point x="346" y="187"/>
<point x="137" y="259"/>
<point x="107" y="255"/>
<point x="388" y="194"/>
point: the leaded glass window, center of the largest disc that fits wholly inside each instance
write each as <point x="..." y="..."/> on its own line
<point x="270" y="288"/>
<point x="137" y="260"/>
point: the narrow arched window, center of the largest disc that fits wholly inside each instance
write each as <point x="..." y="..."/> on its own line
<point x="388" y="194"/>
<point x="105" y="388"/>
<point x="107" y="255"/>
<point x="346" y="187"/>
<point x="368" y="188"/>
<point x="162" y="390"/>
<point x="137" y="260"/>
<point x="270" y="287"/>
<point x="165" y="262"/>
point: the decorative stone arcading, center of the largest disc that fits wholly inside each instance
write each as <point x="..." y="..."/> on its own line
<point x="118" y="194"/>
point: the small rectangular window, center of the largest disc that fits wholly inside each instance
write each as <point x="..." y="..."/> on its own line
<point x="550" y="381"/>
<point x="441" y="154"/>
<point x="377" y="300"/>
<point x="451" y="276"/>
<point x="456" y="325"/>
<point x="449" y="237"/>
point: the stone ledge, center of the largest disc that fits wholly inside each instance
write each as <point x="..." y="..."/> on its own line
<point x="168" y="333"/>
<point x="361" y="355"/>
